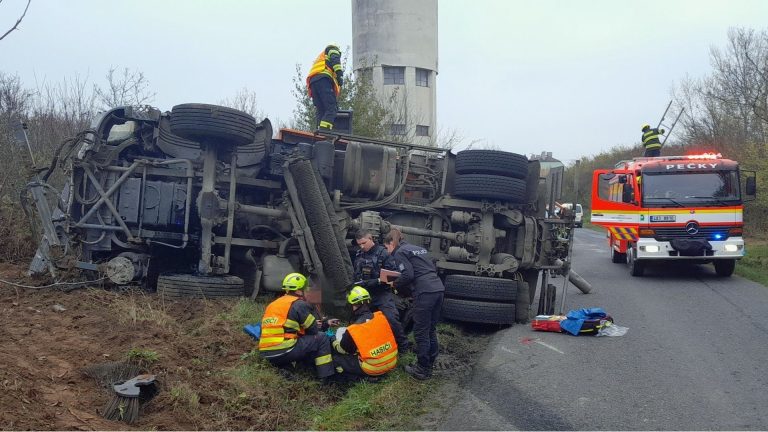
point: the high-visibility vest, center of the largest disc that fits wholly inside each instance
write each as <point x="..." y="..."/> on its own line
<point x="275" y="323"/>
<point x="376" y="346"/>
<point x="651" y="139"/>
<point x="321" y="67"/>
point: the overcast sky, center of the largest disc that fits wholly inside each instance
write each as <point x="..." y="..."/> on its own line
<point x="571" y="77"/>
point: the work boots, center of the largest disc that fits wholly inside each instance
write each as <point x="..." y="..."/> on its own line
<point x="418" y="371"/>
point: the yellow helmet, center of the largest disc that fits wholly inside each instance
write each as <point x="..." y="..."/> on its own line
<point x="358" y="295"/>
<point x="645" y="126"/>
<point x="294" y="282"/>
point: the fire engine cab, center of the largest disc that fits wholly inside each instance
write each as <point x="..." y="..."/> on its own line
<point x="673" y="208"/>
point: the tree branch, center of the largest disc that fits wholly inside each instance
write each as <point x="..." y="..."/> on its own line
<point x="18" y="21"/>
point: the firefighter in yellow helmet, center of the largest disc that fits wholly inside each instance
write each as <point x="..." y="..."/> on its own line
<point x="651" y="140"/>
<point x="367" y="348"/>
<point x="324" y="85"/>
<point x="290" y="330"/>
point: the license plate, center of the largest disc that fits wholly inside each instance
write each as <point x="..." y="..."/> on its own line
<point x="663" y="218"/>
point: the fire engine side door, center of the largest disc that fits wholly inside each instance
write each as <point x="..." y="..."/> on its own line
<point x="615" y="205"/>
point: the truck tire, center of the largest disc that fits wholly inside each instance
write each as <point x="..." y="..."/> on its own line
<point x="481" y="288"/>
<point x="328" y="251"/>
<point x="490" y="186"/>
<point x="478" y="311"/>
<point x="724" y="268"/>
<point x="492" y="162"/>
<point x="213" y="123"/>
<point x="618" y="257"/>
<point x="190" y="285"/>
<point x="636" y="268"/>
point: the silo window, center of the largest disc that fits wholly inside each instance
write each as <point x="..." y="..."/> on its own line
<point x="422" y="77"/>
<point x="397" y="129"/>
<point x="394" y="75"/>
<point x="422" y="130"/>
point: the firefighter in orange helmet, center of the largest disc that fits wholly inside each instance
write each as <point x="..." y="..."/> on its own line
<point x="324" y="84"/>
<point x="368" y="347"/>
<point x="290" y="330"/>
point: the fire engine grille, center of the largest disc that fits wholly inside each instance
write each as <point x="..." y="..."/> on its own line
<point x="709" y="233"/>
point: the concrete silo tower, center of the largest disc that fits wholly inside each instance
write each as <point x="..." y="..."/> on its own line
<point x="396" y="40"/>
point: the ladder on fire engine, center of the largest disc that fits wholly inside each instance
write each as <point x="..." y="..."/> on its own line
<point x="668" y="128"/>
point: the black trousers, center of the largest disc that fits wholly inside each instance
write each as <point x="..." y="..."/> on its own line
<point x="385" y="303"/>
<point x="324" y="99"/>
<point x="348" y="365"/>
<point x="652" y="152"/>
<point x="313" y="349"/>
<point x="426" y="314"/>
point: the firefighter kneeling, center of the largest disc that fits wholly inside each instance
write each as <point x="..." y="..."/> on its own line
<point x="368" y="347"/>
<point x="289" y="330"/>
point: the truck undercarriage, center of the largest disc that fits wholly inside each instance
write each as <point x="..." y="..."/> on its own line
<point x="203" y="201"/>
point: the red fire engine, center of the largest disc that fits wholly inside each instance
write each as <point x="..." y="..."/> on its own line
<point x="673" y="208"/>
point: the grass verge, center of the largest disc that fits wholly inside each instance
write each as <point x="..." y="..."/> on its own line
<point x="753" y="265"/>
<point x="273" y="402"/>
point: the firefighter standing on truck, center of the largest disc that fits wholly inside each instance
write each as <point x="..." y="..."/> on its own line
<point x="367" y="348"/>
<point x="369" y="261"/>
<point x="651" y="140"/>
<point x="289" y="330"/>
<point x="324" y="84"/>
<point x="418" y="271"/>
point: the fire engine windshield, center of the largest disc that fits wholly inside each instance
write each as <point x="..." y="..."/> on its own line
<point x="681" y="189"/>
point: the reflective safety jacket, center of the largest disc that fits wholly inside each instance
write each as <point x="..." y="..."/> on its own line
<point x="326" y="65"/>
<point x="278" y="331"/>
<point x="376" y="346"/>
<point x="651" y="138"/>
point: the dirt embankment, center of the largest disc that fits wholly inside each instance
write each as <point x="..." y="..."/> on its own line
<point x="48" y="336"/>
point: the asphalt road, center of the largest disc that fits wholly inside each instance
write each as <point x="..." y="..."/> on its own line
<point x="694" y="357"/>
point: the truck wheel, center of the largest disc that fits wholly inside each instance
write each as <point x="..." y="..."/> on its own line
<point x="319" y="221"/>
<point x="202" y="122"/>
<point x="636" y="268"/>
<point x="478" y="311"/>
<point x="492" y="162"/>
<point x="481" y="288"/>
<point x="190" y="285"/>
<point x="724" y="268"/>
<point x="618" y="257"/>
<point x="490" y="187"/>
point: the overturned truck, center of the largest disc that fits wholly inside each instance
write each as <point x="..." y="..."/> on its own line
<point x="203" y="201"/>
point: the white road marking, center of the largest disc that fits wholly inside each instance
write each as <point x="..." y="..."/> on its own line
<point x="544" y="344"/>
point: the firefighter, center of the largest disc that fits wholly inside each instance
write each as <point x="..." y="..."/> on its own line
<point x="324" y="84"/>
<point x="651" y="140"/>
<point x="290" y="330"/>
<point x="368" y="347"/>
<point x="369" y="261"/>
<point x="418" y="271"/>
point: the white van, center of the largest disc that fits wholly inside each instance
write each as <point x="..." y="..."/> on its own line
<point x="578" y="214"/>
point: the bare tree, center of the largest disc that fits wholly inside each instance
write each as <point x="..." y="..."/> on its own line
<point x="126" y="88"/>
<point x="244" y="100"/>
<point x="18" y="21"/>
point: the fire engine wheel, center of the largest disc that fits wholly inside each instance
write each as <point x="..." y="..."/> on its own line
<point x="724" y="268"/>
<point x="478" y="311"/>
<point x="636" y="268"/>
<point x="618" y="257"/>
<point x="213" y="123"/>
<point x="481" y="288"/>
<point x="189" y="285"/>
<point x="492" y="162"/>
<point x="490" y="186"/>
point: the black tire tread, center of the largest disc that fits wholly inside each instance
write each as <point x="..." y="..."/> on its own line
<point x="478" y="311"/>
<point x="481" y="288"/>
<point x="189" y="285"/>
<point x="491" y="187"/>
<point x="492" y="162"/>
<point x="197" y="122"/>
